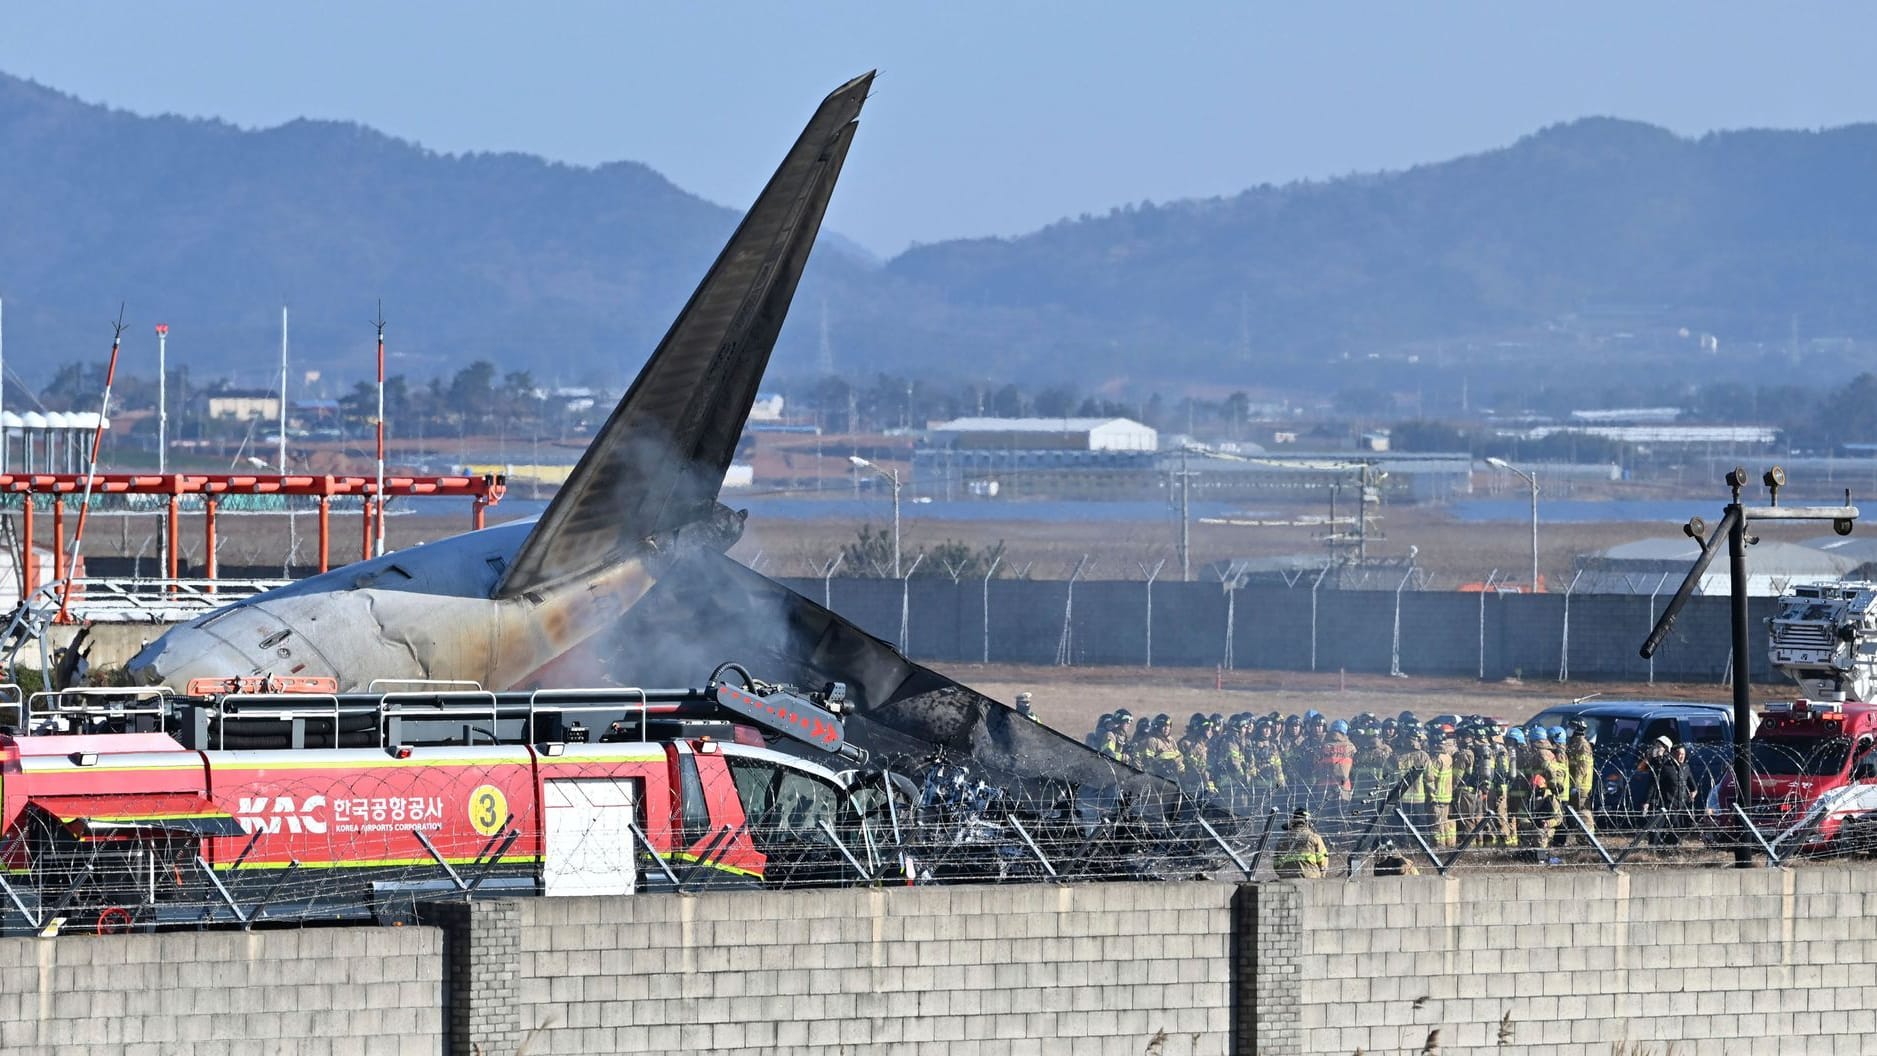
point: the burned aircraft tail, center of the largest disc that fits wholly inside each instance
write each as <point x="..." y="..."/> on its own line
<point x="657" y="464"/>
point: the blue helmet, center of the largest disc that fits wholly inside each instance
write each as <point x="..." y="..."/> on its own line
<point x="1516" y="735"/>
<point x="1540" y="735"/>
<point x="1557" y="735"/>
<point x="1312" y="715"/>
<point x="1339" y="726"/>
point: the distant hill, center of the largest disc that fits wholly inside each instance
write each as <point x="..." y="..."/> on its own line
<point x="1580" y="235"/>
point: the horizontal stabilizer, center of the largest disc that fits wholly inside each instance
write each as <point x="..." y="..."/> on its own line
<point x="658" y="463"/>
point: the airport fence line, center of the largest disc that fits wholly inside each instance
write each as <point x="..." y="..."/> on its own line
<point x="300" y="851"/>
<point x="1301" y="623"/>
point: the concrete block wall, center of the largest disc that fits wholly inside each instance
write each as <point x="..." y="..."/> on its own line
<point x="1092" y="969"/>
<point x="295" y="993"/>
<point x="1708" y="960"/>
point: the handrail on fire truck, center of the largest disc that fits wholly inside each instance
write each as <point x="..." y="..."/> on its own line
<point x="201" y="718"/>
<point x="645" y="706"/>
<point x="296" y="710"/>
<point x="389" y="709"/>
<point x="114" y="708"/>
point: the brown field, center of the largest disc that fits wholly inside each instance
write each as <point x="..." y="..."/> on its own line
<point x="1070" y="698"/>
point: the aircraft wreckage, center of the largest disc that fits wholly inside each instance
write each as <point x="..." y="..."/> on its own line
<point x="624" y="579"/>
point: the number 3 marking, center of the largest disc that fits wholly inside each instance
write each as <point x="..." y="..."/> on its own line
<point x="488" y="809"/>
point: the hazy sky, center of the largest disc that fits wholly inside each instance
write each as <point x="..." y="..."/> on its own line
<point x="988" y="118"/>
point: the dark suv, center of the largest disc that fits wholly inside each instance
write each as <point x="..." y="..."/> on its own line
<point x="1623" y="730"/>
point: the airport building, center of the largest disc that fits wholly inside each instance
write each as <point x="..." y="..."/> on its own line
<point x="1657" y="566"/>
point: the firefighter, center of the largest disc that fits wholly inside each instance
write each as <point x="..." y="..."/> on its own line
<point x="1375" y="760"/>
<point x="1543" y="811"/>
<point x="1232" y="768"/>
<point x="1303" y="854"/>
<point x="1195" y="749"/>
<point x="1110" y="737"/>
<point x="1509" y="776"/>
<point x="1291" y="734"/>
<point x="1580" y="756"/>
<point x="1412" y="768"/>
<point x="1440" y="789"/>
<point x="1159" y="755"/>
<point x="1558" y="779"/>
<point x="1466" y="778"/>
<point x="1267" y="760"/>
<point x="1025" y="708"/>
<point x="1331" y="777"/>
<point x="1135" y="752"/>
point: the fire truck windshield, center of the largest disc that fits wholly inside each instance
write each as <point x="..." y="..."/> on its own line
<point x="1797" y="756"/>
<point x="781" y="802"/>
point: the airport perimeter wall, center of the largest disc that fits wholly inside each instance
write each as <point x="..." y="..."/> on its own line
<point x="1094" y="968"/>
<point x="1723" y="961"/>
<point x="338" y="991"/>
<point x="1546" y="962"/>
<point x="1439" y="633"/>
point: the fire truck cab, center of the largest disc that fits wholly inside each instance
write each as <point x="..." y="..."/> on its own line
<point x="144" y="811"/>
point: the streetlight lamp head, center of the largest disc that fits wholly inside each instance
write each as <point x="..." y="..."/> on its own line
<point x="858" y="461"/>
<point x="1498" y="463"/>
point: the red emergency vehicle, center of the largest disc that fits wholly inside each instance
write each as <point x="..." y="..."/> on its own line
<point x="158" y="816"/>
<point x="1814" y="776"/>
<point x="1806" y="755"/>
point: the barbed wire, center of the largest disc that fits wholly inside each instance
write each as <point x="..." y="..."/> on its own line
<point x="322" y="838"/>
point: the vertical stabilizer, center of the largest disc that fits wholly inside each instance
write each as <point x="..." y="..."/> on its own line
<point x="659" y="461"/>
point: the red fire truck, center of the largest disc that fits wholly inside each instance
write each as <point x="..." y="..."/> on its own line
<point x="1814" y="777"/>
<point x="168" y="809"/>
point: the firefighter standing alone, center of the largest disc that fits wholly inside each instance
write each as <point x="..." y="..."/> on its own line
<point x="1304" y="854"/>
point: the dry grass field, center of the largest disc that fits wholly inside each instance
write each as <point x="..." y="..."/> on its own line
<point x="1070" y="698"/>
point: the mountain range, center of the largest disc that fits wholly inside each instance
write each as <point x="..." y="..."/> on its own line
<point x="1580" y="236"/>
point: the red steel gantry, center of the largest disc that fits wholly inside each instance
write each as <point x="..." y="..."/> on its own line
<point x="486" y="491"/>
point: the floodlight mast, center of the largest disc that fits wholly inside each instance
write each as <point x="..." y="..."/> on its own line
<point x="1734" y="521"/>
<point x="891" y="475"/>
<point x="1530" y="478"/>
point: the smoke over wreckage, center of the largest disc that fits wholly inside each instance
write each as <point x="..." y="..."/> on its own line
<point x="624" y="577"/>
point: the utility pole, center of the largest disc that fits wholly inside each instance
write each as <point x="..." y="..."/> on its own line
<point x="1362" y="515"/>
<point x="162" y="398"/>
<point x="1186" y="520"/>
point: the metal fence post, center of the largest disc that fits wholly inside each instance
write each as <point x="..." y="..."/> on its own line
<point x="827" y="580"/>
<point x="988" y="573"/>
<point x="1564" y="646"/>
<point x="1394" y="659"/>
<point x="1066" y="641"/>
<point x="905" y="602"/>
<point x="1483" y="591"/>
<point x="1151" y="575"/>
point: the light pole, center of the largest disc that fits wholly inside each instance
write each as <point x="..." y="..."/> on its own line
<point x="1532" y="479"/>
<point x="893" y="476"/>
